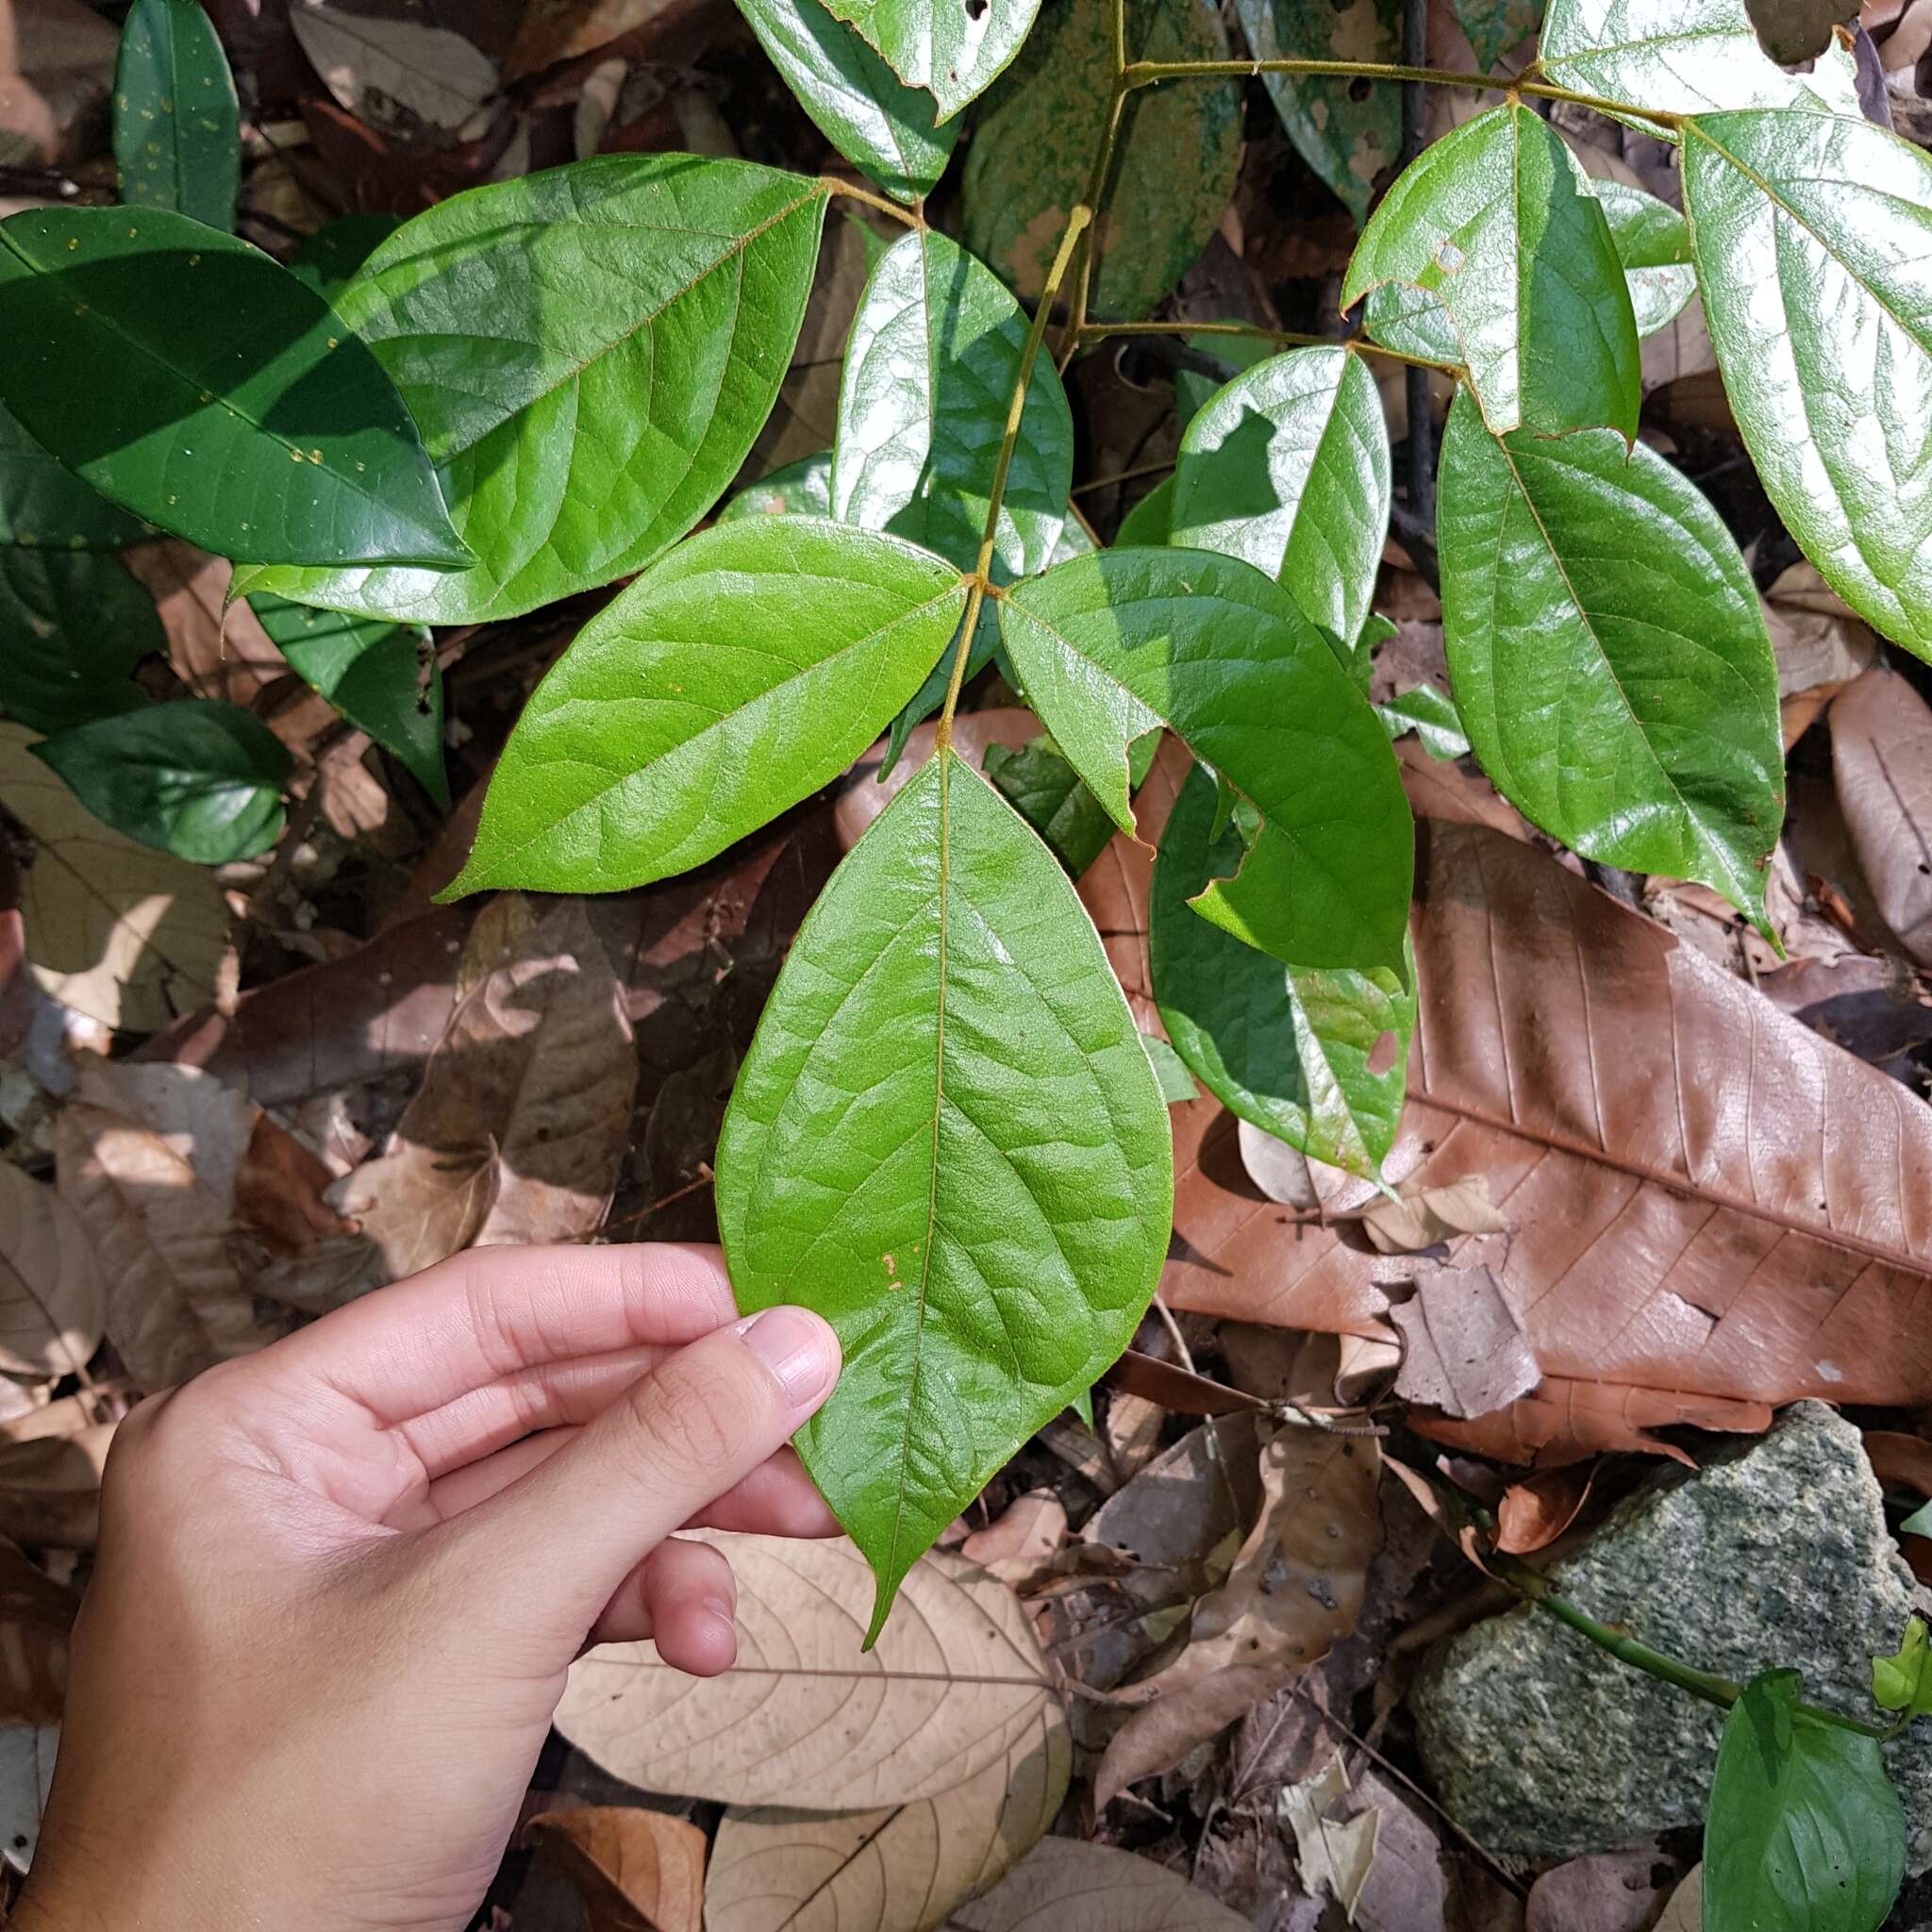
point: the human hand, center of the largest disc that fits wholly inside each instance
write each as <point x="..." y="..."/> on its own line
<point x="340" y="1582"/>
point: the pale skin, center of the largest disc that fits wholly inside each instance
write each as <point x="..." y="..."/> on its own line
<point x="340" y="1583"/>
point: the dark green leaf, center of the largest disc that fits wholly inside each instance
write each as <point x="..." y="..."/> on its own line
<point x="942" y="45"/>
<point x="74" y="623"/>
<point x="1288" y="469"/>
<point x="738" y="675"/>
<point x="1289" y="1050"/>
<point x="1111" y="646"/>
<point x="1903" y="1682"/>
<point x="1490" y="221"/>
<point x="982" y="1221"/>
<point x="1035" y="137"/>
<point x="1609" y="654"/>
<point x="800" y="489"/>
<point x="1433" y="718"/>
<point x="1813" y="240"/>
<point x="178" y="129"/>
<point x="1493" y="27"/>
<point x="1232" y="353"/>
<point x="1683" y="57"/>
<point x="202" y="780"/>
<point x="1150" y="523"/>
<point x="931" y="367"/>
<point x="1805" y="1832"/>
<point x="1349" y="131"/>
<point x="381" y="676"/>
<point x="1048" y="793"/>
<point x="861" y="106"/>
<point x="1176" y="1086"/>
<point x="243" y="413"/>
<point x="590" y="353"/>
<point x="329" y="260"/>
<point x="45" y="505"/>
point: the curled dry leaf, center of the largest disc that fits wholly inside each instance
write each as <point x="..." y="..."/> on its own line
<point x="954" y="1683"/>
<point x="1423" y="1217"/>
<point x="1294" y="1589"/>
<point x="36" y="1614"/>
<point x="1335" y="1850"/>
<point x="634" y="1870"/>
<point x="1712" y="1210"/>
<point x="1082" y="1888"/>
<point x="1019" y="1548"/>
<point x="902" y="1867"/>
<point x="53" y="1303"/>
<point x="1536" y="1511"/>
<point x="1466" y="1353"/>
<point x="1881" y="758"/>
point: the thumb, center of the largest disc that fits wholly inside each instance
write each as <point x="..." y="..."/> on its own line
<point x="560" y="1540"/>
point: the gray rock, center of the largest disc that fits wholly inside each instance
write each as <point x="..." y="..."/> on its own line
<point x="1774" y="1553"/>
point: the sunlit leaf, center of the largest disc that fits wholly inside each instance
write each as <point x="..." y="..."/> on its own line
<point x="953" y="50"/>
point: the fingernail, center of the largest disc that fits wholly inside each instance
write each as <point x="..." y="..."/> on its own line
<point x="798" y="1348"/>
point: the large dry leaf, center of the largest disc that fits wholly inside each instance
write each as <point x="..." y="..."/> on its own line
<point x="1881" y="758"/>
<point x="36" y="1614"/>
<point x="1294" y="1591"/>
<point x="1712" y="1210"/>
<point x="899" y="1869"/>
<point x="956" y="1681"/>
<point x="124" y="934"/>
<point x="634" y="1870"/>
<point x="1069" y="1887"/>
<point x="374" y="62"/>
<point x="52" y="1301"/>
<point x="176" y="1303"/>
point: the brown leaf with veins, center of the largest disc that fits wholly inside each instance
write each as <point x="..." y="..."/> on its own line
<point x="634" y="1870"/>
<point x="1019" y="1546"/>
<point x="1465" y="1350"/>
<point x="1713" y="1210"/>
<point x="1881" y="757"/>
<point x="1536" y="1511"/>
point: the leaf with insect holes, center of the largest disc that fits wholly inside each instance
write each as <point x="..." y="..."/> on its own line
<point x="1608" y="654"/>
<point x="737" y="675"/>
<point x="1805" y="1832"/>
<point x="954" y="49"/>
<point x="1287" y="468"/>
<point x="1813" y="243"/>
<point x="202" y="780"/>
<point x="1111" y="646"/>
<point x="1490" y="221"/>
<point x="860" y="105"/>
<point x="1318" y="1059"/>
<point x="248" y="418"/>
<point x="590" y="353"/>
<point x="983" y="1231"/>
<point x="177" y="126"/>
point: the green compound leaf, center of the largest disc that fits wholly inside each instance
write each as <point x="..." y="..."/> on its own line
<point x="1049" y="795"/>
<point x="982" y="1221"/>
<point x="381" y="676"/>
<point x="590" y="353"/>
<point x="1903" y="1682"/>
<point x="931" y="368"/>
<point x="245" y="415"/>
<point x="800" y="489"/>
<point x="1491" y="221"/>
<point x="1813" y="243"/>
<point x="1111" y="646"/>
<point x="944" y="46"/>
<point x="1288" y="469"/>
<point x="1349" y="131"/>
<point x="860" y="105"/>
<point x="1035" y="136"/>
<point x="177" y="126"/>
<point x="1287" y="1049"/>
<point x="202" y="780"/>
<point x="1805" y="1832"/>
<point x="738" y="675"/>
<point x="1683" y="57"/>
<point x="74" y="623"/>
<point x="1608" y="655"/>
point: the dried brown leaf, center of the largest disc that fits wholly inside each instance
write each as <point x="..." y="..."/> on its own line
<point x="555" y="30"/>
<point x="1881" y="757"/>
<point x="1018" y="1547"/>
<point x="633" y="1868"/>
<point x="1466" y="1353"/>
<point x="1712" y="1210"/>
<point x="375" y="62"/>
<point x="36" y="1614"/>
<point x="52" y="1303"/>
<point x="279" y="1190"/>
<point x="1423" y="1217"/>
<point x="1335" y="1849"/>
<point x="1536" y="1511"/>
<point x="1608" y="1891"/>
<point x="1902" y="1463"/>
<point x="1178" y="1390"/>
<point x="954" y="1681"/>
<point x="1082" y="1888"/>
<point x="50" y="1487"/>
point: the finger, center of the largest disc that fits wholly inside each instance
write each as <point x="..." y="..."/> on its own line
<point x="560" y="1539"/>
<point x="488" y="1312"/>
<point x="684" y="1597"/>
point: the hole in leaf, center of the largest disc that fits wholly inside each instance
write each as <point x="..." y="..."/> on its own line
<point x="1358" y="89"/>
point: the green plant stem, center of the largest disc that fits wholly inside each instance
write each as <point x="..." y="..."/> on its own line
<point x="911" y="218"/>
<point x="1148" y="73"/>
<point x="1287" y="339"/>
<point x="1003" y="463"/>
<point x="1534" y="1585"/>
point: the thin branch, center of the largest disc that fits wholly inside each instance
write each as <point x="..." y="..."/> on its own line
<point x="1282" y="338"/>
<point x="908" y="217"/>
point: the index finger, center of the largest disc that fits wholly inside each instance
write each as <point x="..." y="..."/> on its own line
<point x="488" y="1312"/>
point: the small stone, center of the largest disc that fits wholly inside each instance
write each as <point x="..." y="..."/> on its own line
<point x="1774" y="1554"/>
